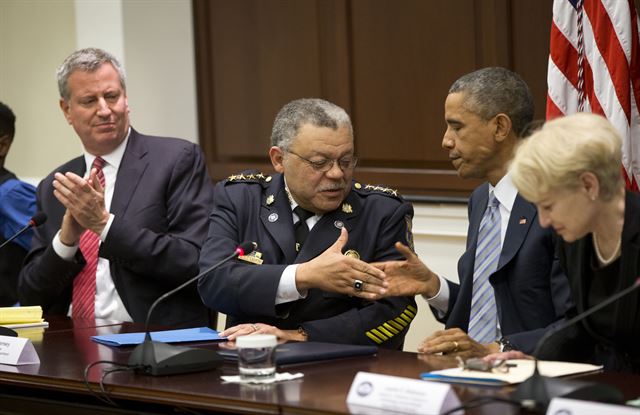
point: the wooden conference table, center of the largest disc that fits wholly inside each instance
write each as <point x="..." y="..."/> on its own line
<point x="56" y="385"/>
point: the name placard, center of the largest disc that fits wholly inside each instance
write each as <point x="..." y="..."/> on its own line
<point x="390" y="394"/>
<point x="17" y="351"/>
<point x="564" y="406"/>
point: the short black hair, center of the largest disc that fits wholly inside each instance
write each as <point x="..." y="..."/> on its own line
<point x="491" y="91"/>
<point x="7" y="121"/>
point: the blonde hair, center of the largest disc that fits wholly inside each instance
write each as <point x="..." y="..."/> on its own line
<point x="554" y="157"/>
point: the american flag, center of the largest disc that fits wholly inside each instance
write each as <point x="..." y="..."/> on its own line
<point x="594" y="66"/>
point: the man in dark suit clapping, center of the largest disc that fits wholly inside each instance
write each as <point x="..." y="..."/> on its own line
<point x="126" y="220"/>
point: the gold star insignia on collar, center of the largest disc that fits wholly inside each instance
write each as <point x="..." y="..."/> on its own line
<point x="270" y="200"/>
<point x="346" y="208"/>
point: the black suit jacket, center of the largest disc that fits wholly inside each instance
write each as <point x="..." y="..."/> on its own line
<point x="618" y="349"/>
<point x="160" y="202"/>
<point x="256" y="208"/>
<point x="531" y="290"/>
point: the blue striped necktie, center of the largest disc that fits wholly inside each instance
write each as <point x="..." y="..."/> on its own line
<point x="483" y="325"/>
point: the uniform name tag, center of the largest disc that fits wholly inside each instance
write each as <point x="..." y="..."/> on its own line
<point x="255" y="258"/>
<point x="397" y="394"/>
<point x="17" y="351"/>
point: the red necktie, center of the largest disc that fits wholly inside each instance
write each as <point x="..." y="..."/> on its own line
<point x="84" y="285"/>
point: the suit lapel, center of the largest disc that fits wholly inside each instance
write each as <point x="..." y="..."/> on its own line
<point x="479" y="207"/>
<point x="522" y="216"/>
<point x="132" y="167"/>
<point x="277" y="218"/>
<point x="475" y="217"/>
<point x="78" y="166"/>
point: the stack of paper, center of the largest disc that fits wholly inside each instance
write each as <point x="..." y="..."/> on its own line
<point x="19" y="315"/>
<point x="519" y="372"/>
<point x="27" y="321"/>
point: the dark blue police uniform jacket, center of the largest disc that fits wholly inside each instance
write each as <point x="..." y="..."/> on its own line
<point x="255" y="207"/>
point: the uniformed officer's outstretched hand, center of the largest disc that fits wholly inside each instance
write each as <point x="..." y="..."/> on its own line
<point x="334" y="272"/>
<point x="409" y="277"/>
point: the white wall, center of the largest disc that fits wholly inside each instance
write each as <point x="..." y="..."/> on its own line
<point x="35" y="36"/>
<point x="439" y="233"/>
<point x="153" y="39"/>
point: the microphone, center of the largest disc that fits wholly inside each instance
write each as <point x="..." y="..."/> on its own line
<point x="537" y="391"/>
<point x="157" y="358"/>
<point x="38" y="219"/>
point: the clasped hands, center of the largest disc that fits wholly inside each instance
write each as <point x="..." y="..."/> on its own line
<point x="412" y="277"/>
<point x="333" y="271"/>
<point x="84" y="201"/>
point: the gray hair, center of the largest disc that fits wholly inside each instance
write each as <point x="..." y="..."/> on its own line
<point x="315" y="111"/>
<point x="492" y="91"/>
<point x="89" y="60"/>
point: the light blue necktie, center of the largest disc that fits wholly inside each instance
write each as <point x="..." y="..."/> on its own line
<point x="483" y="325"/>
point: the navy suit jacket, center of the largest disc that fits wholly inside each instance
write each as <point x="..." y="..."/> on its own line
<point x="256" y="208"/>
<point x="531" y="290"/>
<point x="161" y="202"/>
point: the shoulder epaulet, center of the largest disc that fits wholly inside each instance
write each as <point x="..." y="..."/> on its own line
<point x="367" y="189"/>
<point x="248" y="178"/>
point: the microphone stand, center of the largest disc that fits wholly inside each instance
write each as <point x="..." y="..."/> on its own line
<point x="536" y="392"/>
<point x="36" y="220"/>
<point x="158" y="358"/>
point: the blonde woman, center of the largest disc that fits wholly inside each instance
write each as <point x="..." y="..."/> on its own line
<point x="571" y="170"/>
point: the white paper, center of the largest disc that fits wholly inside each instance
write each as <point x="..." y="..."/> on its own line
<point x="394" y="394"/>
<point x="523" y="369"/>
<point x="279" y="377"/>
<point x="42" y="323"/>
<point x="17" y="351"/>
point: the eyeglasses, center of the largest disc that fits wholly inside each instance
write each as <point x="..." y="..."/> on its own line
<point x="324" y="165"/>
<point x="479" y="364"/>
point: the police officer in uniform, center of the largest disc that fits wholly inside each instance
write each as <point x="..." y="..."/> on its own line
<point x="316" y="231"/>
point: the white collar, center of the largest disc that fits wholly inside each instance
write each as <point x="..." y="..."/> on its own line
<point x="114" y="158"/>
<point x="505" y="191"/>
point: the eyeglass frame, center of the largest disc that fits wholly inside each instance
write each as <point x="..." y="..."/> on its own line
<point x="327" y="162"/>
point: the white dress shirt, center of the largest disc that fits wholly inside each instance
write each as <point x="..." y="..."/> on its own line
<point x="506" y="194"/>
<point x="287" y="290"/>
<point x="108" y="303"/>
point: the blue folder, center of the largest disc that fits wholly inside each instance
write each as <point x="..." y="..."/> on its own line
<point x="197" y="334"/>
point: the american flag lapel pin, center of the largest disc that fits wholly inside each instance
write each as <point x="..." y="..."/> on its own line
<point x="523" y="221"/>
